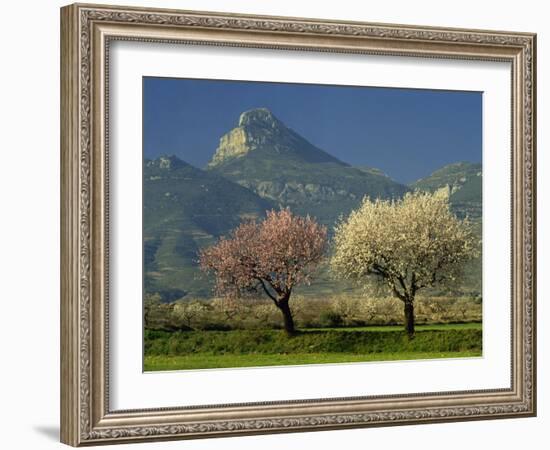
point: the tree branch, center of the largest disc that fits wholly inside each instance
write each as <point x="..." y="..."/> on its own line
<point x="267" y="292"/>
<point x="398" y="294"/>
<point x="379" y="270"/>
<point x="402" y="283"/>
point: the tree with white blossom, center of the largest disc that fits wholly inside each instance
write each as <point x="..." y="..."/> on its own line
<point x="404" y="245"/>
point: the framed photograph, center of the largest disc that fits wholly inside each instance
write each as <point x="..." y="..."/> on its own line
<point x="275" y="224"/>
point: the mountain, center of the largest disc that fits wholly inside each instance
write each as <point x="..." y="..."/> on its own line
<point x="259" y="165"/>
<point x="185" y="208"/>
<point x="464" y="183"/>
<point x="262" y="154"/>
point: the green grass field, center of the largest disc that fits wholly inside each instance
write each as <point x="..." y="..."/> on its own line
<point x="437" y="326"/>
<point x="256" y="348"/>
<point x="154" y="363"/>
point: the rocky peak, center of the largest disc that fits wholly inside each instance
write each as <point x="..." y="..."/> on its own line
<point x="259" y="130"/>
<point x="259" y="117"/>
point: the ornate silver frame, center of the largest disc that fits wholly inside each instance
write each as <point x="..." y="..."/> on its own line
<point x="86" y="31"/>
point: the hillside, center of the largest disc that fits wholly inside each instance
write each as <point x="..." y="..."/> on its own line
<point x="464" y="183"/>
<point x="185" y="208"/>
<point x="454" y="175"/>
<point x="468" y="199"/>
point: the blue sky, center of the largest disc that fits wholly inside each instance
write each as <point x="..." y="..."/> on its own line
<point x="407" y="133"/>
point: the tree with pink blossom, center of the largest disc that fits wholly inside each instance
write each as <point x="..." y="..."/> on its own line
<point x="272" y="256"/>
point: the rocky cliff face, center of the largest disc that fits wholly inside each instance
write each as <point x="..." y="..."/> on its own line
<point x="259" y="130"/>
<point x="293" y="193"/>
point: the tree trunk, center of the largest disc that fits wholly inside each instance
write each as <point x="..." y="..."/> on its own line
<point x="287" y="315"/>
<point x="409" y="318"/>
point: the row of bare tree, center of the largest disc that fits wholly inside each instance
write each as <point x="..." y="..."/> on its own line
<point x="341" y="310"/>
